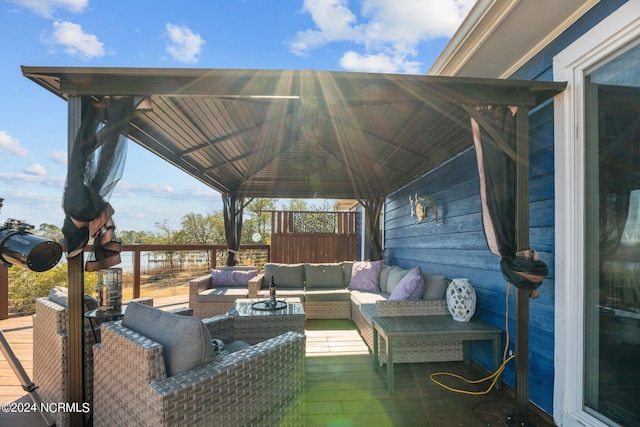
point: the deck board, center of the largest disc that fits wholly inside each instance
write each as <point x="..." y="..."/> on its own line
<point x="342" y="388"/>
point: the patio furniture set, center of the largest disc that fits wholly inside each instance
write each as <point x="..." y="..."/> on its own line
<point x="360" y="291"/>
<point x="246" y="366"/>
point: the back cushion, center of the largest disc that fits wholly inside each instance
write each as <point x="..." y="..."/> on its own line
<point x="384" y="277"/>
<point x="186" y="342"/>
<point x="231" y="278"/>
<point x="285" y="275"/>
<point x="395" y="275"/>
<point x="323" y="276"/>
<point x="435" y="286"/>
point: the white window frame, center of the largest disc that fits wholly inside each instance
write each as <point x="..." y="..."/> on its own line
<point x="571" y="65"/>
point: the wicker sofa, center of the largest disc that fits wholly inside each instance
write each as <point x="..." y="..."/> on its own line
<point x="207" y="300"/>
<point x="327" y="291"/>
<point x="141" y="382"/>
<point x="319" y="287"/>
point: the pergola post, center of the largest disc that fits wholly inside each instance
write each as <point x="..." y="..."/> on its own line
<point x="75" y="275"/>
<point x="522" y="243"/>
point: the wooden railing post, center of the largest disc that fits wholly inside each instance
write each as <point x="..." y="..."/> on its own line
<point x="136" y="273"/>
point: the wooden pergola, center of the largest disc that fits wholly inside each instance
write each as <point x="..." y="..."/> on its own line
<point x="300" y="134"/>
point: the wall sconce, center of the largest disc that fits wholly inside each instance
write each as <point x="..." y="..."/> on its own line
<point x="423" y="208"/>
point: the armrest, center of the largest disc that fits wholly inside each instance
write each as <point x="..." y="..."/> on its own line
<point x="220" y="327"/>
<point x="271" y="358"/>
<point x="411" y="308"/>
<point x="199" y="284"/>
<point x="255" y="284"/>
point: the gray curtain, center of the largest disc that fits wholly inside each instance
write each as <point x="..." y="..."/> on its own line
<point x="373" y="208"/>
<point x="96" y="162"/>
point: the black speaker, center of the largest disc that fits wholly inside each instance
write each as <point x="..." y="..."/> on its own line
<point x="20" y="247"/>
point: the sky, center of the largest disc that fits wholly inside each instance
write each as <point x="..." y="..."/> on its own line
<point x="385" y="36"/>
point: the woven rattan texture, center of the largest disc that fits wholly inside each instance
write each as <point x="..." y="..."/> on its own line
<point x="261" y="385"/>
<point x="50" y="356"/>
<point x="410" y="351"/>
<point x="327" y="309"/>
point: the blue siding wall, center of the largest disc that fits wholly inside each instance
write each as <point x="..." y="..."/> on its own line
<point x="457" y="247"/>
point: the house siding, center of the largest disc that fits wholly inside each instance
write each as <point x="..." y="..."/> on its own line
<point x="456" y="247"/>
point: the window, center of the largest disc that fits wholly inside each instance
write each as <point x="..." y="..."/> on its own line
<point x="592" y="272"/>
<point x="612" y="247"/>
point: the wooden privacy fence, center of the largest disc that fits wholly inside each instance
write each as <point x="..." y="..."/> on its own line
<point x="300" y="236"/>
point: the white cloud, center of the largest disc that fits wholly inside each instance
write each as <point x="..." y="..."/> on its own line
<point x="75" y="41"/>
<point x="11" y="145"/>
<point x="46" y="7"/>
<point x="389" y="31"/>
<point x="29" y="178"/>
<point x="379" y="63"/>
<point x="35" y="169"/>
<point x="184" y="45"/>
<point x="59" y="156"/>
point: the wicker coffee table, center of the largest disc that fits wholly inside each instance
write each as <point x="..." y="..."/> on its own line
<point x="432" y="328"/>
<point x="255" y="326"/>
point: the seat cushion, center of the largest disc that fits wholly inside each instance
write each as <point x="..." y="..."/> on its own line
<point x="368" y="311"/>
<point x="222" y="294"/>
<point x="340" y="294"/>
<point x="363" y="297"/>
<point x="186" y="342"/>
<point x="330" y="275"/>
<point x="284" y="275"/>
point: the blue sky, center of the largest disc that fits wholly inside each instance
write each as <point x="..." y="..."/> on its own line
<point x="399" y="36"/>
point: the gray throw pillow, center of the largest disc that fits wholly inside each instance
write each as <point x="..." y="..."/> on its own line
<point x="435" y="286"/>
<point x="186" y="342"/>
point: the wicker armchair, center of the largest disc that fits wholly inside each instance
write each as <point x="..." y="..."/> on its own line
<point x="51" y="358"/>
<point x="259" y="385"/>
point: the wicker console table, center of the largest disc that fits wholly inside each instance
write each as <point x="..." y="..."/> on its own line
<point x="255" y="326"/>
<point x="431" y="328"/>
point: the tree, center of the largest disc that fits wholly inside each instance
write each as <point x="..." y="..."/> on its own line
<point x="203" y="230"/>
<point x="260" y="221"/>
<point x="168" y="236"/>
<point x="51" y="232"/>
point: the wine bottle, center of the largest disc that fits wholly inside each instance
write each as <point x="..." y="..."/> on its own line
<point x="272" y="291"/>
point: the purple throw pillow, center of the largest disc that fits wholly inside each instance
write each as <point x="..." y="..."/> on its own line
<point x="365" y="276"/>
<point x="411" y="287"/>
<point x="231" y="278"/>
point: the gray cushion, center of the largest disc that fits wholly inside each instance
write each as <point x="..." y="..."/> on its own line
<point x="60" y="295"/>
<point x="436" y="286"/>
<point x="186" y="342"/>
<point x="323" y="276"/>
<point x="284" y="275"/>
<point x="341" y="294"/>
<point x="384" y="277"/>
<point x="395" y="276"/>
<point x="222" y="295"/>
<point x="368" y="311"/>
<point x="348" y="267"/>
<point x="365" y="297"/>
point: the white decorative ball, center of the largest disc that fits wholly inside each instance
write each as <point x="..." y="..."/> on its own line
<point x="461" y="299"/>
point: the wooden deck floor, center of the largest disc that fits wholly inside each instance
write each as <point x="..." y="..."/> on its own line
<point x="342" y="388"/>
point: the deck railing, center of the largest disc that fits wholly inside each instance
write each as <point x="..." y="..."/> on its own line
<point x="158" y="258"/>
